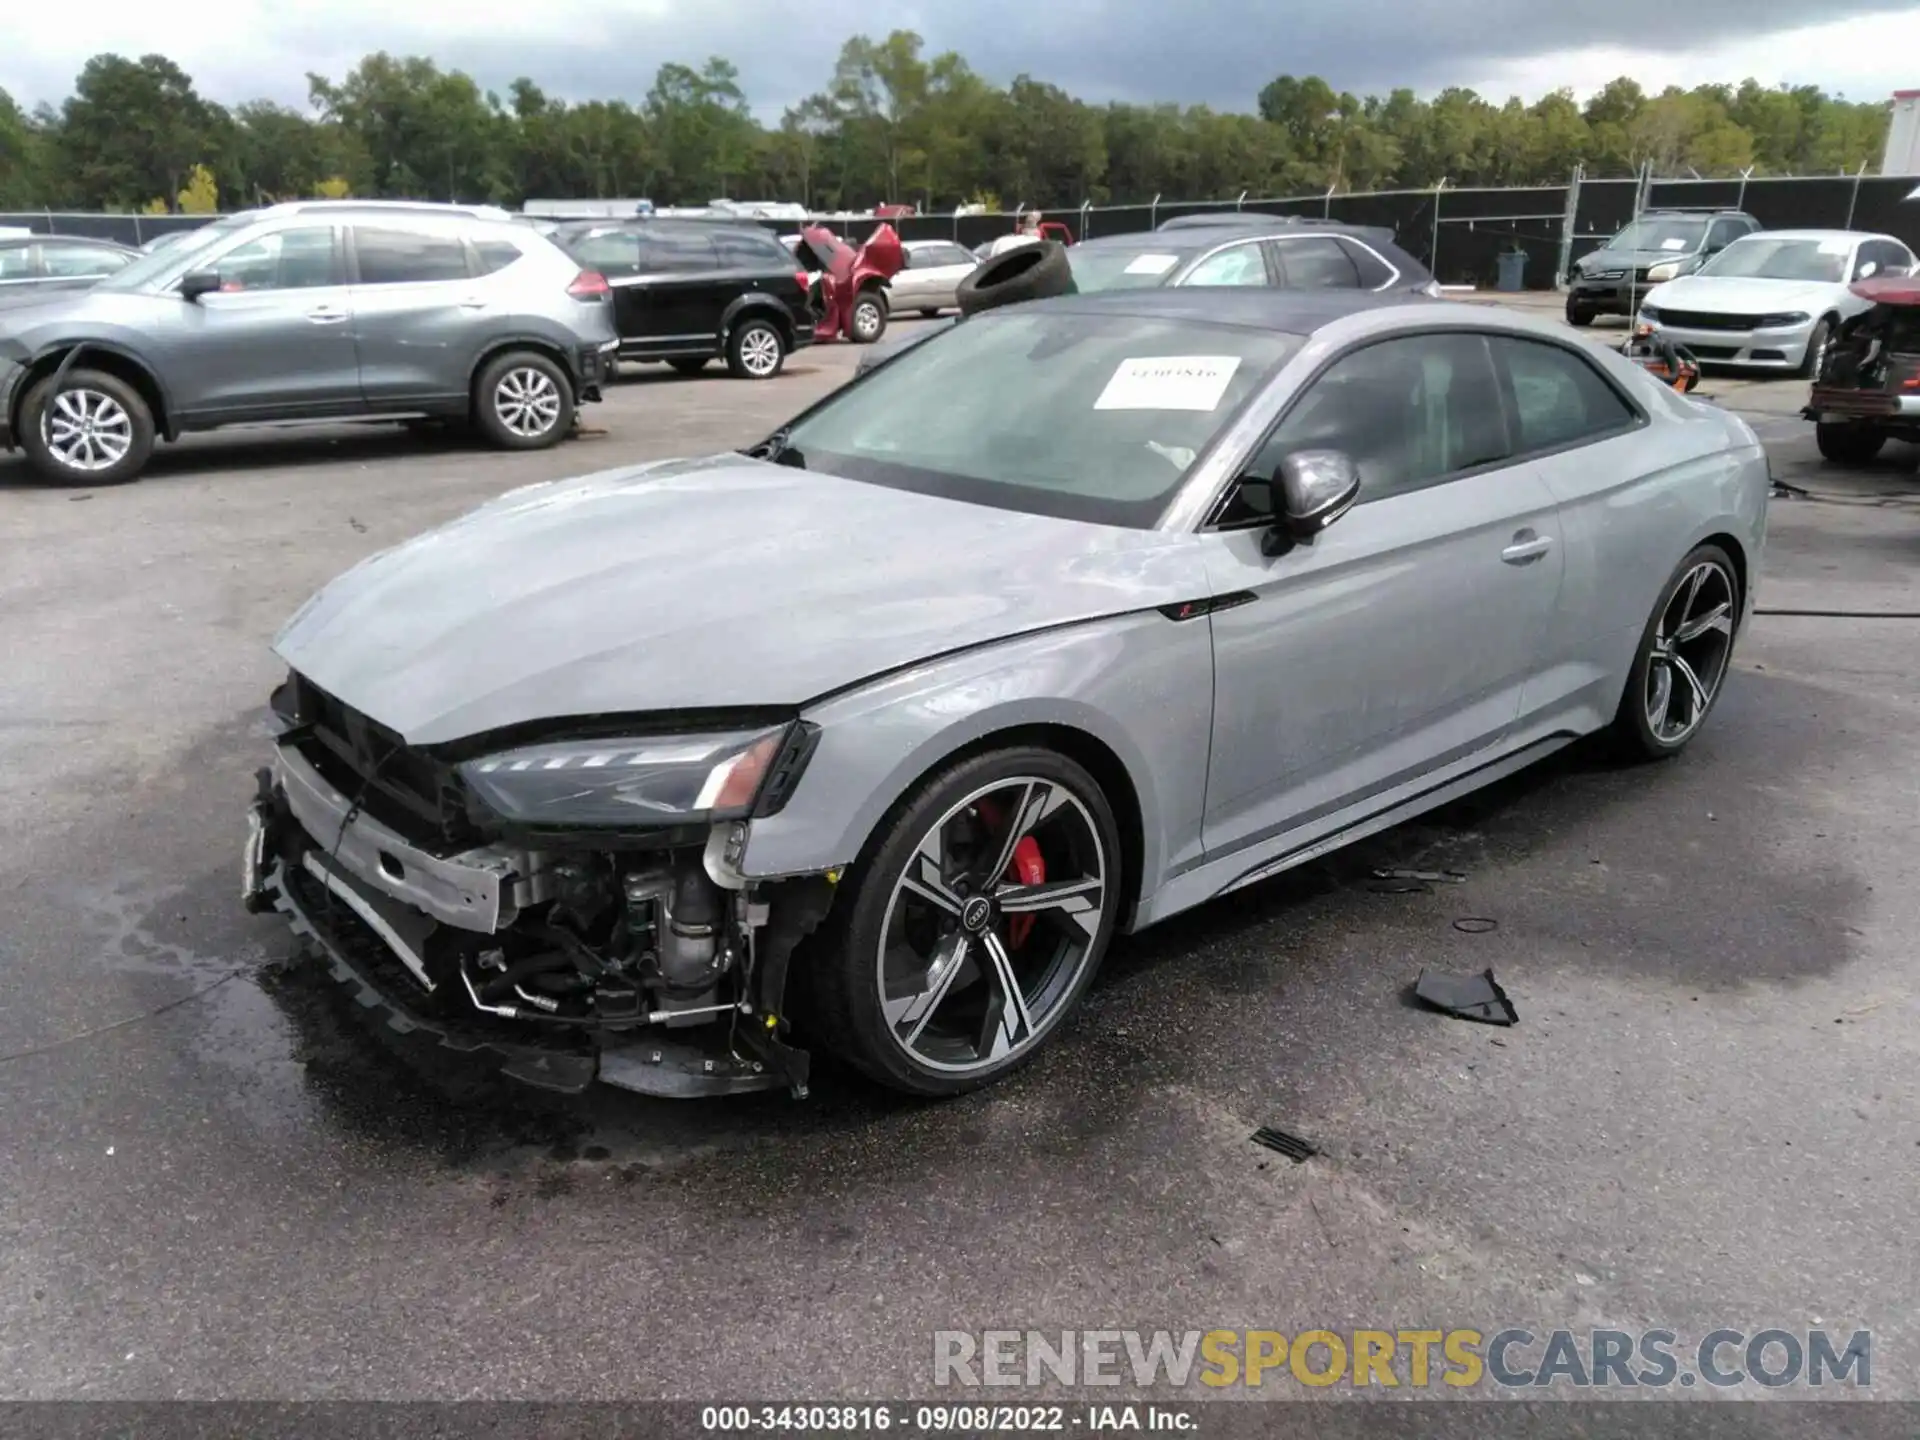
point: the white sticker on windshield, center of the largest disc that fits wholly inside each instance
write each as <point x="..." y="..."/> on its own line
<point x="1835" y="247"/>
<point x="1169" y="382"/>
<point x="1152" y="264"/>
<point x="1674" y="244"/>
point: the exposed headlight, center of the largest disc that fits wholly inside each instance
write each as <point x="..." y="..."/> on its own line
<point x="648" y="781"/>
<point x="1782" y="322"/>
<point x="1667" y="270"/>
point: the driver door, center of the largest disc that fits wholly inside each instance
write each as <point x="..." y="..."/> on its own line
<point x="1397" y="641"/>
<point x="275" y="342"/>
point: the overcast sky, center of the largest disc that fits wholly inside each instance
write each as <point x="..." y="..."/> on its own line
<point x="1215" y="51"/>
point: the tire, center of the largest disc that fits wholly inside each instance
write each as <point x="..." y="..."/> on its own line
<point x="523" y="401"/>
<point x="869" y="320"/>
<point x="1817" y="345"/>
<point x="1706" y="655"/>
<point x="1027" y="272"/>
<point x="868" y="1004"/>
<point x="756" y="350"/>
<point x="95" y="430"/>
<point x="1578" y="315"/>
<point x="1845" y="444"/>
<point x="690" y="364"/>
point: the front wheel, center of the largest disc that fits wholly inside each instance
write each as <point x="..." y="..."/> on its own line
<point x="1579" y="315"/>
<point x="869" y="318"/>
<point x="523" y="401"/>
<point x="1818" y="343"/>
<point x="93" y="429"/>
<point x="756" y="350"/>
<point x="1683" y="658"/>
<point x="1846" y="444"/>
<point x="975" y="922"/>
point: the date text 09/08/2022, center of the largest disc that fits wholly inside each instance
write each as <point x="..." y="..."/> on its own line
<point x="962" y="1419"/>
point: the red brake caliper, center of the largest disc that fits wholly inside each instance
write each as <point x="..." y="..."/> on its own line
<point x="1028" y="867"/>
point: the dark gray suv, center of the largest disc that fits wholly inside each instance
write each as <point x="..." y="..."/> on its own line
<point x="323" y="310"/>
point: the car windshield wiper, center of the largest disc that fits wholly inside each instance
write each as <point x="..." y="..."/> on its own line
<point x="776" y="449"/>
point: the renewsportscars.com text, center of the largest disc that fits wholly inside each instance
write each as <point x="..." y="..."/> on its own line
<point x="1513" y="1358"/>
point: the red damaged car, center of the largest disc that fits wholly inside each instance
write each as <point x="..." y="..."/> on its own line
<point x="1868" y="389"/>
<point x="850" y="286"/>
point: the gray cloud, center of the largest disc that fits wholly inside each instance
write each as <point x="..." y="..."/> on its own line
<point x="1215" y="51"/>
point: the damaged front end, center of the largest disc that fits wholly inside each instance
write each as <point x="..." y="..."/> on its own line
<point x="569" y="901"/>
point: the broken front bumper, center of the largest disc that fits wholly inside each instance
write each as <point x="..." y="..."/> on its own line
<point x="368" y="901"/>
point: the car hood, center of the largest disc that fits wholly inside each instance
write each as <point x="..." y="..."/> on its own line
<point x="700" y="584"/>
<point x="1739" y="295"/>
<point x="1631" y="259"/>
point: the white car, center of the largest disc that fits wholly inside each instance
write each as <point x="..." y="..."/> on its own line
<point x="931" y="276"/>
<point x="1773" y="300"/>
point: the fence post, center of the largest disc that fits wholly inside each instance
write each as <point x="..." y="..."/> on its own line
<point x="1569" y="225"/>
<point x="1740" y="202"/>
<point x="1153" y="212"/>
<point x="1326" y="204"/>
<point x="1085" y="206"/>
<point x="1854" y="199"/>
<point x="1433" y="254"/>
<point x="1240" y="204"/>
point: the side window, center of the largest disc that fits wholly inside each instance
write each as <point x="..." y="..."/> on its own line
<point x="1559" y="397"/>
<point x="78" y="261"/>
<point x="407" y="257"/>
<point x="496" y="254"/>
<point x="953" y="255"/>
<point x="612" y="253"/>
<point x="285" y="260"/>
<point x="671" y="250"/>
<point x="1316" y="262"/>
<point x="1408" y="411"/>
<point x="749" y="250"/>
<point x="1723" y="234"/>
<point x="1240" y="265"/>
<point x="16" y="262"/>
<point x="1374" y="272"/>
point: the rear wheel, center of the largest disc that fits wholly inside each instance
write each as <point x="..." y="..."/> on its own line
<point x="91" y="428"/>
<point x="1846" y="444"/>
<point x="523" y="401"/>
<point x="1683" y="658"/>
<point x="869" y="321"/>
<point x="975" y="922"/>
<point x="756" y="350"/>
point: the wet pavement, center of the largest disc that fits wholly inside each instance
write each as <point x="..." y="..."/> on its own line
<point x="217" y="1180"/>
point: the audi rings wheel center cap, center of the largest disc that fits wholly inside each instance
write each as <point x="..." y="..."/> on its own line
<point x="976" y="914"/>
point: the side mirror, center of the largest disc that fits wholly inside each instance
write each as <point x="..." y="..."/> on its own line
<point x="1316" y="488"/>
<point x="199" y="282"/>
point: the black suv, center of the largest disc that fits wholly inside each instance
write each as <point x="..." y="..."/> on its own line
<point x="1661" y="245"/>
<point x="689" y="291"/>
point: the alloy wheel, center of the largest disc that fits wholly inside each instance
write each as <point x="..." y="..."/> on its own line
<point x="760" y="352"/>
<point x="991" y="925"/>
<point x="1691" y="647"/>
<point x="866" y="320"/>
<point x="527" y="402"/>
<point x="87" y="430"/>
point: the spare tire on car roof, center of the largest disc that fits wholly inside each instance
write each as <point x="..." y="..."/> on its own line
<point x="1028" y="272"/>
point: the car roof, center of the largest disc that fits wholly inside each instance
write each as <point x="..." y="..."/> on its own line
<point x="11" y="241"/>
<point x="928" y="240"/>
<point x="655" y="222"/>
<point x="1287" y="312"/>
<point x="1815" y="235"/>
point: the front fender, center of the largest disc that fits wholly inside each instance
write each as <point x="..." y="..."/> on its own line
<point x="1140" y="684"/>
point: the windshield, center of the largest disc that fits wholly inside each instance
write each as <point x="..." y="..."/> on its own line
<point x="168" y="258"/>
<point x="1091" y="417"/>
<point x="1121" y="267"/>
<point x="1766" y="257"/>
<point x="1681" y="236"/>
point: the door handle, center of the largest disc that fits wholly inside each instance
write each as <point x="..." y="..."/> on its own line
<point x="326" y="314"/>
<point x="1526" y="548"/>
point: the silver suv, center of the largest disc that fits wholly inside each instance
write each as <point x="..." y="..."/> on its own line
<point x="321" y="311"/>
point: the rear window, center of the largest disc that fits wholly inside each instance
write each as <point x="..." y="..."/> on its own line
<point x="496" y="254"/>
<point x="1374" y="272"/>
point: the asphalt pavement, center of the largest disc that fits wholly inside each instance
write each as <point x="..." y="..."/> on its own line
<point x="217" y="1181"/>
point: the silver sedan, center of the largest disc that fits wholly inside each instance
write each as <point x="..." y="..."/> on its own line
<point x="929" y="280"/>
<point x="1083" y="613"/>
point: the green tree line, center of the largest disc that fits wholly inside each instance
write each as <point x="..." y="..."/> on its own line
<point x="893" y="124"/>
